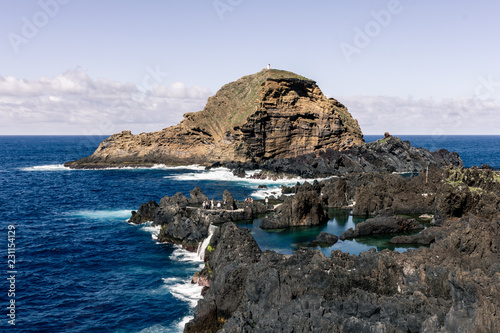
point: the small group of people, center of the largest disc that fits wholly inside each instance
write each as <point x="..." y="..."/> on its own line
<point x="212" y="204"/>
<point x="209" y="204"/>
<point x="249" y="200"/>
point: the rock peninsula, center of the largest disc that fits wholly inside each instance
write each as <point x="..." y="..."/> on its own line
<point x="268" y="115"/>
<point x="450" y="286"/>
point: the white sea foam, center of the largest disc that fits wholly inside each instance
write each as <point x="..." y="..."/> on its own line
<point x="261" y="193"/>
<point x="182" y="167"/>
<point x="185" y="291"/>
<point x="195" y="167"/>
<point x="61" y="167"/>
<point x="213" y="174"/>
<point x="224" y="174"/>
<point x="181" y="254"/>
<point x="153" y="230"/>
<point x="158" y="329"/>
<point x="103" y="214"/>
<point x="49" y="167"/>
<point x="183" y="323"/>
<point x="178" y="287"/>
<point x="178" y="328"/>
<point x="171" y="280"/>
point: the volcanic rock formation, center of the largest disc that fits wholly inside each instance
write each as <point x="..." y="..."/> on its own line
<point x="453" y="286"/>
<point x="270" y="114"/>
<point x="385" y="155"/>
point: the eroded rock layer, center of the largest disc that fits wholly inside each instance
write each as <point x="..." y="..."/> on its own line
<point x="270" y="114"/>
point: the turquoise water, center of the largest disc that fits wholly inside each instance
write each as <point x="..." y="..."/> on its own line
<point x="286" y="241"/>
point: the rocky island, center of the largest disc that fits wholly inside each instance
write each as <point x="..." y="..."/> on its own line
<point x="267" y="115"/>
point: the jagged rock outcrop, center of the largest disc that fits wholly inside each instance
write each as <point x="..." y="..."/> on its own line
<point x="471" y="190"/>
<point x="425" y="237"/>
<point x="369" y="194"/>
<point x="228" y="201"/>
<point x="382" y="225"/>
<point x="337" y="195"/>
<point x="145" y="213"/>
<point x="303" y="209"/>
<point x="217" y="306"/>
<point x="197" y="196"/>
<point x="183" y="228"/>
<point x="270" y="114"/>
<point x="187" y="225"/>
<point x="325" y="239"/>
<point x="385" y="155"/>
<point x="178" y="199"/>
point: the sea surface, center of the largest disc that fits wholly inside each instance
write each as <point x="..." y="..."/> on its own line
<point x="80" y="267"/>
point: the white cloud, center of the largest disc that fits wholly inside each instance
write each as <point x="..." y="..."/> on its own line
<point x="379" y="114"/>
<point x="74" y="103"/>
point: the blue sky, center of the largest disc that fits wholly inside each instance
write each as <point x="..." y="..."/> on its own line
<point x="98" y="67"/>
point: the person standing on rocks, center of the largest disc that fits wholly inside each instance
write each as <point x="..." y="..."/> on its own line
<point x="267" y="202"/>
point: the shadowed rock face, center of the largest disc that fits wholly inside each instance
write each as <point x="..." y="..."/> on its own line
<point x="386" y="155"/>
<point x="303" y="209"/>
<point x="270" y="114"/>
<point x="382" y="225"/>
<point x="145" y="213"/>
<point x="325" y="239"/>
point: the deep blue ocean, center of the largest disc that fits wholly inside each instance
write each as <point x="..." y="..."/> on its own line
<point x="80" y="267"/>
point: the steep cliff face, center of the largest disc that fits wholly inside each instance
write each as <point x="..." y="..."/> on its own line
<point x="295" y="118"/>
<point x="270" y="114"/>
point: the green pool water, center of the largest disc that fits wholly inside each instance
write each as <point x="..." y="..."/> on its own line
<point x="286" y="241"/>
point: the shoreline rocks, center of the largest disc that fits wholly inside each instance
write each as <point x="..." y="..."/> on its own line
<point x="386" y="155"/>
<point x="145" y="213"/>
<point x="183" y="222"/>
<point x="382" y="225"/>
<point x="425" y="237"/>
<point x="326" y="239"/>
<point x="302" y="209"/>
